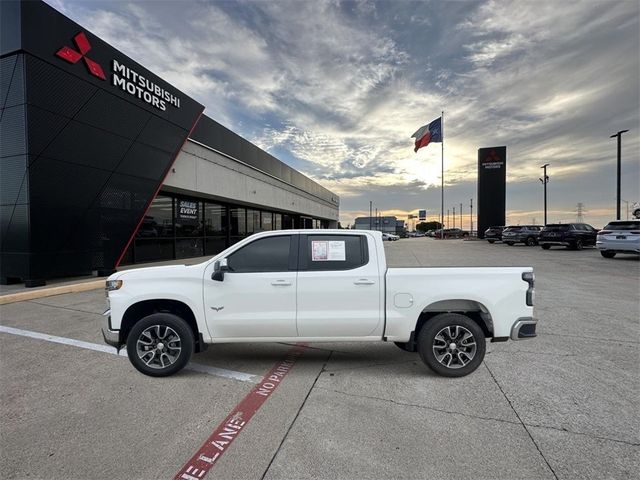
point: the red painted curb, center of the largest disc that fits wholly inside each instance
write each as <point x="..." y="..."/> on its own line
<point x="225" y="433"/>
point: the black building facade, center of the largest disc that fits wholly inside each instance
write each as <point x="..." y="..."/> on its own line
<point x="88" y="137"/>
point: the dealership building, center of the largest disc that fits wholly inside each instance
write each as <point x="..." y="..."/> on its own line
<point x="104" y="163"/>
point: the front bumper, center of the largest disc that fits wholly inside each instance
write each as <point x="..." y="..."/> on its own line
<point x="524" y="328"/>
<point x="111" y="337"/>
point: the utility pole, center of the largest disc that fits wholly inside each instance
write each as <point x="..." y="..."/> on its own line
<point x="580" y="211"/>
<point x="377" y="225"/>
<point x="627" y="202"/>
<point x="461" y="215"/>
<point x="471" y="214"/>
<point x="370" y="213"/>
<point x="619" y="135"/>
<point x="447" y="218"/>
<point x="454" y="217"/>
<point x="545" y="180"/>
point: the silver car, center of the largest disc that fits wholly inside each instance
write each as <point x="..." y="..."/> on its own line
<point x="620" y="236"/>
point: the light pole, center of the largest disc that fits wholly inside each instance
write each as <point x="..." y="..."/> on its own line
<point x="448" y="210"/>
<point x="370" y="213"/>
<point x="619" y="135"/>
<point x="471" y="215"/>
<point x="454" y="217"/>
<point x="545" y="180"/>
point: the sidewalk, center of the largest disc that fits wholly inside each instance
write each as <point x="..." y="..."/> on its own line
<point x="58" y="286"/>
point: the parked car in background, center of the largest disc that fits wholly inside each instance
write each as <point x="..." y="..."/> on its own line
<point x="619" y="236"/>
<point x="455" y="233"/>
<point x="390" y="237"/>
<point x="493" y="234"/>
<point x="527" y="234"/>
<point x="571" y="235"/>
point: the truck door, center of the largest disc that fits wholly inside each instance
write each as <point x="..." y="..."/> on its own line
<point x="257" y="297"/>
<point x="339" y="290"/>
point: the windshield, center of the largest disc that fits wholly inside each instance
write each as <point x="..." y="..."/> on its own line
<point x="513" y="229"/>
<point x="630" y="225"/>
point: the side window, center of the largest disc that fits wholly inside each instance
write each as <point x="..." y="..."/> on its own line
<point x="334" y="252"/>
<point x="269" y="254"/>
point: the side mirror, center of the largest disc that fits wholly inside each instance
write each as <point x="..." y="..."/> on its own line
<point x="219" y="268"/>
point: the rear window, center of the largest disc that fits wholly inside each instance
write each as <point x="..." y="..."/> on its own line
<point x="334" y="252"/>
<point x="631" y="225"/>
<point x="513" y="229"/>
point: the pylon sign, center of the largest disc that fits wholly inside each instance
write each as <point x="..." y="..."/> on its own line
<point x="492" y="177"/>
<point x="422" y="214"/>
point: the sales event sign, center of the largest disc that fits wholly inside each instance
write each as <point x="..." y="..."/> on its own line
<point x="188" y="211"/>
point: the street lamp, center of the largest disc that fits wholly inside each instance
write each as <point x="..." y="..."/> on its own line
<point x="545" y="180"/>
<point x="619" y="135"/>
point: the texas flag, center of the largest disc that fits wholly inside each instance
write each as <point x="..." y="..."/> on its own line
<point x="428" y="133"/>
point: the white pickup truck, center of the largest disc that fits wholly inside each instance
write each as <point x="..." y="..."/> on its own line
<point x="316" y="286"/>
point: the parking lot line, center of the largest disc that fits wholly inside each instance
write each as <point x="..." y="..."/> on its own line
<point x="196" y="367"/>
<point x="219" y="441"/>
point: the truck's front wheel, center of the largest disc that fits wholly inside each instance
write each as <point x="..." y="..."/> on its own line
<point x="451" y="345"/>
<point x="160" y="344"/>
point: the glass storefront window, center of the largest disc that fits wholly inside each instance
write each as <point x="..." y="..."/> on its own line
<point x="215" y="220"/>
<point x="253" y="221"/>
<point x="188" y="218"/>
<point x="277" y="221"/>
<point x="238" y="225"/>
<point x="189" y="247"/>
<point x="158" y="221"/>
<point x="267" y="221"/>
<point x="287" y="222"/>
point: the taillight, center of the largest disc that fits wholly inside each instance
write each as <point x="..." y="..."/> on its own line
<point x="530" y="278"/>
<point x="605" y="232"/>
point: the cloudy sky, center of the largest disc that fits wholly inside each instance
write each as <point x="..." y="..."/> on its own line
<point x="335" y="89"/>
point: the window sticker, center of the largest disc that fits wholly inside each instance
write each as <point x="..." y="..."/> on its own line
<point x="328" y="251"/>
<point x="337" y="251"/>
<point x="319" y="251"/>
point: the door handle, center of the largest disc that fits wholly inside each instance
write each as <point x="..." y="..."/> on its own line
<point x="363" y="281"/>
<point x="281" y="283"/>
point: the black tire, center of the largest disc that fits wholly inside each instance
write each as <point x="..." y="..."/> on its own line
<point x="435" y="330"/>
<point x="578" y="244"/>
<point x="154" y="329"/>
<point x="510" y="243"/>
<point x="491" y="241"/>
<point x="607" y="253"/>
<point x="545" y="246"/>
<point x="406" y="346"/>
<point x="530" y="241"/>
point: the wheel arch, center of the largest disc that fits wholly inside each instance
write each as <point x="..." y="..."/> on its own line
<point x="143" y="308"/>
<point x="473" y="309"/>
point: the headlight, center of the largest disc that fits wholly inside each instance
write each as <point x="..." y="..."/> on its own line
<point x="113" y="285"/>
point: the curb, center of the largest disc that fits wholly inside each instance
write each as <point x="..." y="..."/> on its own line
<point x="49" y="292"/>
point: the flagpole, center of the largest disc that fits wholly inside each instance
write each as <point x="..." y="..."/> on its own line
<point x="442" y="180"/>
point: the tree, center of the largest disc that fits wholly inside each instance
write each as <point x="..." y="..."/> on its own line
<point x="426" y="226"/>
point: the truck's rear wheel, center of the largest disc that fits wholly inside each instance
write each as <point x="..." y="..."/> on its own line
<point x="451" y="345"/>
<point x="160" y="344"/>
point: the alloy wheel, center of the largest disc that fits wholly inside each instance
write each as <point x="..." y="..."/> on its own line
<point x="454" y="346"/>
<point x="158" y="346"/>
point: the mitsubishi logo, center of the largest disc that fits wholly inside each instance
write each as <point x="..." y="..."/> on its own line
<point x="72" y="56"/>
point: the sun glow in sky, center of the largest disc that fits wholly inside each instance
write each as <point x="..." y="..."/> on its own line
<point x="336" y="88"/>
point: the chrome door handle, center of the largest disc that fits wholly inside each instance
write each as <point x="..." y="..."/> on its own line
<point x="363" y="281"/>
<point x="281" y="283"/>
